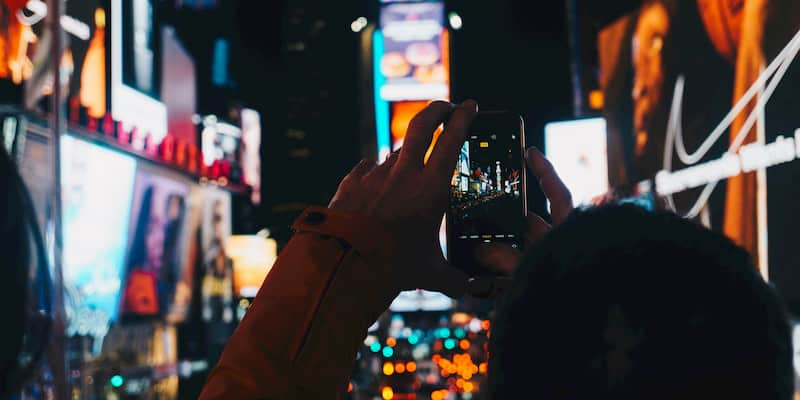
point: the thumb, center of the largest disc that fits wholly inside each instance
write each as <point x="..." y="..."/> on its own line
<point x="537" y="229"/>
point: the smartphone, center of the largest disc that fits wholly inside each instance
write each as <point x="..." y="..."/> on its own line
<point x="487" y="192"/>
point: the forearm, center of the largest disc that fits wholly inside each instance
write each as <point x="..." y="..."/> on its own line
<point x="300" y="336"/>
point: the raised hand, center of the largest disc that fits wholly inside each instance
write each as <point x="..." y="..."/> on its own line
<point x="409" y="197"/>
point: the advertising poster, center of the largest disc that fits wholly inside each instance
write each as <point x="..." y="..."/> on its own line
<point x="216" y="286"/>
<point x="701" y="98"/>
<point x="414" y="61"/>
<point x="157" y="232"/>
<point x="251" y="152"/>
<point x="191" y="251"/>
<point x="88" y="53"/>
<point x="97" y="187"/>
<point x="24" y="51"/>
<point x="15" y="37"/>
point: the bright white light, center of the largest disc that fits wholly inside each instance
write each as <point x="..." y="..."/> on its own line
<point x="455" y="21"/>
<point x="577" y="150"/>
<point x="359" y="24"/>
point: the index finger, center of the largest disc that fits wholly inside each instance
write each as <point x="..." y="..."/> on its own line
<point x="554" y="189"/>
<point x="420" y="134"/>
<point x="445" y="152"/>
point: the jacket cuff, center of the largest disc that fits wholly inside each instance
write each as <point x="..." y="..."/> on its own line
<point x="366" y="236"/>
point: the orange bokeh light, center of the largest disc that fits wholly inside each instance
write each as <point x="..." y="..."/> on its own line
<point x="439" y="394"/>
<point x="469" y="387"/>
<point x="411" y="366"/>
<point x="463" y="344"/>
<point x="399" y="368"/>
<point x="391" y="342"/>
<point x="596" y="99"/>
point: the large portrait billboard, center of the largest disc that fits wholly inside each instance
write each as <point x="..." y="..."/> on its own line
<point x="701" y="99"/>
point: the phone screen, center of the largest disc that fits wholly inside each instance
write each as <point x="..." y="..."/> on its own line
<point x="487" y="191"/>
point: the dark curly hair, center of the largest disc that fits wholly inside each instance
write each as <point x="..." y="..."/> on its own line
<point x="620" y="303"/>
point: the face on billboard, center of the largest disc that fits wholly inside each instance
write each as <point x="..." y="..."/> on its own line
<point x="414" y="59"/>
<point x="648" y="86"/>
<point x="97" y="186"/>
<point x="693" y="125"/>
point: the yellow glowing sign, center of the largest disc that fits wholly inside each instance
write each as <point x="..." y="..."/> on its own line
<point x="253" y="257"/>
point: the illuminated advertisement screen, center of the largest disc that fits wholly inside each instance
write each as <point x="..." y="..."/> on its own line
<point x="140" y="41"/>
<point x="135" y="76"/>
<point x="253" y="257"/>
<point x="402" y="113"/>
<point x="15" y="37"/>
<point x="414" y="60"/>
<point x="88" y="52"/>
<point x="155" y="250"/>
<point x="577" y="150"/>
<point x="97" y="186"/>
<point x="688" y="120"/>
<point x="216" y="282"/>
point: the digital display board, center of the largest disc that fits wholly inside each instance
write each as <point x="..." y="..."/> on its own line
<point x="97" y="187"/>
<point x="134" y="76"/>
<point x="216" y="284"/>
<point x="140" y="45"/>
<point x="680" y="101"/>
<point x="88" y="81"/>
<point x="253" y="257"/>
<point x="414" y="62"/>
<point x="577" y="150"/>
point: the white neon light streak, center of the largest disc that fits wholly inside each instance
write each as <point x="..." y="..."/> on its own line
<point x="774" y="73"/>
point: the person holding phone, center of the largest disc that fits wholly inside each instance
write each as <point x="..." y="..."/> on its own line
<point x="589" y="330"/>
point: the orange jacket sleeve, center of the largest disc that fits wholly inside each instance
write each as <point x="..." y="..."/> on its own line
<point x="299" y="338"/>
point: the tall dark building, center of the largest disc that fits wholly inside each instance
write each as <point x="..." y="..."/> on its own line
<point x="314" y="140"/>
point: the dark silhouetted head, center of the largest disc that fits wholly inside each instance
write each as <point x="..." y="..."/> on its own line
<point x="620" y="303"/>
